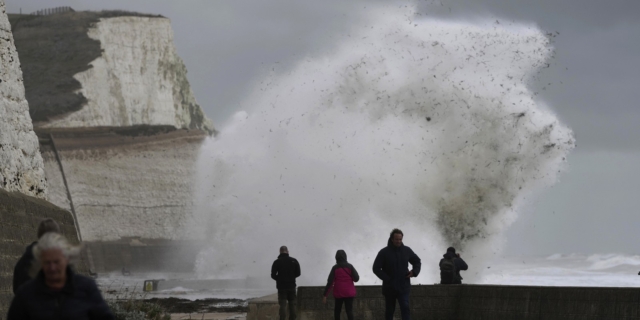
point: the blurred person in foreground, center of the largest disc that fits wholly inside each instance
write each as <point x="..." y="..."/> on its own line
<point x="284" y="271"/>
<point x="450" y="266"/>
<point x="342" y="278"/>
<point x="26" y="268"/>
<point x="392" y="267"/>
<point x="57" y="292"/>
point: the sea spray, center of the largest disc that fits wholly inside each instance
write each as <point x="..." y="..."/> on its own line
<point x="420" y="124"/>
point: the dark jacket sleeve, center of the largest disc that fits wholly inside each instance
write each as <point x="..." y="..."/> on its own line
<point x="329" y="281"/>
<point x="354" y="274"/>
<point x="21" y="272"/>
<point x="461" y="265"/>
<point x="415" y="262"/>
<point x="274" y="271"/>
<point x="377" y="267"/>
<point x="99" y="310"/>
<point x="17" y="310"/>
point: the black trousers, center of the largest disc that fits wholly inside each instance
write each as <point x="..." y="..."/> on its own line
<point x="390" y="305"/>
<point x="287" y="297"/>
<point x="348" y="307"/>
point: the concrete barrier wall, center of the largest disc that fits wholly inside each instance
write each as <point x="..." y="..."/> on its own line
<point x="264" y="308"/>
<point x="142" y="255"/>
<point x="486" y="302"/>
<point x="19" y="219"/>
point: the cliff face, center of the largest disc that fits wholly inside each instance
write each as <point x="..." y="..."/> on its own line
<point x="21" y="167"/>
<point x="109" y="93"/>
<point x="122" y="70"/>
<point x="124" y="182"/>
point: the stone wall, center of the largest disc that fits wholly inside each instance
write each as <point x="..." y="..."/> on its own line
<point x="21" y="167"/>
<point x="486" y="302"/>
<point x="19" y="219"/>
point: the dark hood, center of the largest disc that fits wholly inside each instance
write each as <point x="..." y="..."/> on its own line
<point x="341" y="256"/>
<point x="449" y="255"/>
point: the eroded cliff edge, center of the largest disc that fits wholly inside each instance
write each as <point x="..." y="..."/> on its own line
<point x="111" y="68"/>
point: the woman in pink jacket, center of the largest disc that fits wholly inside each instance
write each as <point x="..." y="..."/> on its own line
<point x="341" y="278"/>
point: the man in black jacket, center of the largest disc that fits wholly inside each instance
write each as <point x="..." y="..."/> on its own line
<point x="392" y="267"/>
<point x="284" y="271"/>
<point x="25" y="266"/>
<point x="450" y="266"/>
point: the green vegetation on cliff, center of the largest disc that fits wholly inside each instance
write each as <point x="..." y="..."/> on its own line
<point x="52" y="49"/>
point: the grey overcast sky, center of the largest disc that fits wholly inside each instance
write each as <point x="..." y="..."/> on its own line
<point x="228" y="44"/>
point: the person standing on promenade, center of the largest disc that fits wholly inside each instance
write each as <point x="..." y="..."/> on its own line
<point x="450" y="266"/>
<point x="284" y="271"/>
<point x="341" y="278"/>
<point x="392" y="267"/>
<point x="26" y="268"/>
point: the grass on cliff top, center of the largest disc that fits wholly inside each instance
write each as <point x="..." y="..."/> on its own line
<point x="51" y="50"/>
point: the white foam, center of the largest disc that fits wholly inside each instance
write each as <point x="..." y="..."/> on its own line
<point x="424" y="125"/>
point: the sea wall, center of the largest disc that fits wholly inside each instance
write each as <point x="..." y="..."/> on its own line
<point x="142" y="255"/>
<point x="21" y="167"/>
<point x="486" y="302"/>
<point x="123" y="181"/>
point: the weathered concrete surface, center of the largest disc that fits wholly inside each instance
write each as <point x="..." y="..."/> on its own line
<point x="21" y="167"/>
<point x="478" y="302"/>
<point x="263" y="308"/>
<point x="124" y="181"/>
<point x="19" y="219"/>
<point x="142" y="255"/>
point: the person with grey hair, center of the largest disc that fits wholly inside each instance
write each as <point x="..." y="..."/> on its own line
<point x="25" y="269"/>
<point x="57" y="292"/>
<point x="284" y="271"/>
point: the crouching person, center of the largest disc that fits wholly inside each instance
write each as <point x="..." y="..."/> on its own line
<point x="57" y="292"/>
<point x="450" y="266"/>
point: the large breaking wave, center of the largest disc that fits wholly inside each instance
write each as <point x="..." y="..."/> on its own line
<point x="424" y="125"/>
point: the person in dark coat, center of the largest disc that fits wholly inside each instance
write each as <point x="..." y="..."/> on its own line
<point x="58" y="293"/>
<point x="341" y="278"/>
<point x="25" y="269"/>
<point x="284" y="271"/>
<point x="392" y="267"/>
<point x="450" y="266"/>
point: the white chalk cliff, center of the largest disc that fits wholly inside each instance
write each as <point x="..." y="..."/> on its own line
<point x="125" y="184"/>
<point x="138" y="79"/>
<point x="21" y="167"/>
